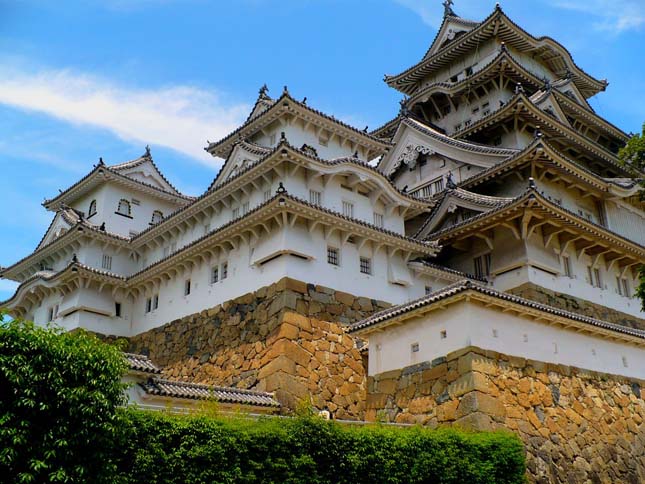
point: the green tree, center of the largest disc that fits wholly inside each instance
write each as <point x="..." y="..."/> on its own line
<point x="59" y="399"/>
<point x="633" y="156"/>
<point x="633" y="153"/>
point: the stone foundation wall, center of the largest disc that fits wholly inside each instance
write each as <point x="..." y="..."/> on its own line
<point x="272" y="340"/>
<point x="580" y="306"/>
<point x="578" y="426"/>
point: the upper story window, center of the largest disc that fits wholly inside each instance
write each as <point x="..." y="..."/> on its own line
<point x="482" y="265"/>
<point x="245" y="207"/>
<point x="593" y="274"/>
<point x="315" y="197"/>
<point x="157" y="217"/>
<point x="106" y="263"/>
<point x="187" y="287"/>
<point x="566" y="264"/>
<point x="623" y="286"/>
<point x="366" y="265"/>
<point x="333" y="256"/>
<point x="378" y="219"/>
<point x="235" y="213"/>
<point x="124" y="208"/>
<point x="348" y="209"/>
<point x="92" y="210"/>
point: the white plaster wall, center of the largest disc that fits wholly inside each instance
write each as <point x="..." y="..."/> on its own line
<point x="627" y="221"/>
<point x="469" y="324"/>
<point x="577" y="286"/>
<point x="107" y="198"/>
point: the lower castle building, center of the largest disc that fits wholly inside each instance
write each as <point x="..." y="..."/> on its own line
<point x="471" y="262"/>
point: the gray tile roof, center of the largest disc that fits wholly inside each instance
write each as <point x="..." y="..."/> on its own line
<point x="141" y="363"/>
<point x="196" y="391"/>
<point x="467" y="285"/>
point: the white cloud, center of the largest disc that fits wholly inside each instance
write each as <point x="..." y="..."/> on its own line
<point x="614" y="15"/>
<point x="177" y="117"/>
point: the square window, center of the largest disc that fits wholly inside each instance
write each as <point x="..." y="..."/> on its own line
<point x="333" y="256"/>
<point x="348" y="209"/>
<point x="315" y="197"/>
<point x="443" y="334"/>
<point x="428" y="290"/>
<point x="366" y="265"/>
<point x="414" y="347"/>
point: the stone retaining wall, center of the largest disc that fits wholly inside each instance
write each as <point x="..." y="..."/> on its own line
<point x="578" y="426"/>
<point x="580" y="306"/>
<point x="272" y="340"/>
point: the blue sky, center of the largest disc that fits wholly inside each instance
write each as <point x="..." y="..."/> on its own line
<point x="81" y="79"/>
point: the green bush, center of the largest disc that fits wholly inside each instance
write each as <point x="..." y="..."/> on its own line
<point x="164" y="448"/>
<point x="59" y="394"/>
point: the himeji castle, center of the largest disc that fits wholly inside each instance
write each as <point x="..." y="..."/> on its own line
<point x="491" y="220"/>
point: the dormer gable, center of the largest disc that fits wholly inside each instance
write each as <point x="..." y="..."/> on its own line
<point x="415" y="140"/>
<point x="62" y="222"/>
<point x="547" y="102"/>
<point x="451" y="29"/>
<point x="244" y="155"/>
<point x="144" y="170"/>
<point x="456" y="205"/>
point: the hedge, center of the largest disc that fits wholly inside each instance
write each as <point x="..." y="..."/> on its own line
<point x="163" y="448"/>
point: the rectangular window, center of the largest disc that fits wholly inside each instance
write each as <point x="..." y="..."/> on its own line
<point x="482" y="265"/>
<point x="245" y="208"/>
<point x="50" y="314"/>
<point x="107" y="262"/>
<point x="173" y="247"/>
<point x="348" y="209"/>
<point x="428" y="290"/>
<point x="56" y="311"/>
<point x="315" y="197"/>
<point x="148" y="305"/>
<point x="267" y="195"/>
<point x="566" y="265"/>
<point x="207" y="228"/>
<point x="437" y="185"/>
<point x="117" y="310"/>
<point x="155" y="302"/>
<point x="366" y="265"/>
<point x="378" y="219"/>
<point x="272" y="139"/>
<point x="236" y="213"/>
<point x="594" y="277"/>
<point x="623" y="286"/>
<point x="187" y="287"/>
<point x="224" y="270"/>
<point x="214" y="275"/>
<point x="333" y="257"/>
<point x="166" y="251"/>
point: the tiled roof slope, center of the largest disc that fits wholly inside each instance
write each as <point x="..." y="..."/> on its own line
<point x="196" y="391"/>
<point x="467" y="285"/>
<point x="141" y="363"/>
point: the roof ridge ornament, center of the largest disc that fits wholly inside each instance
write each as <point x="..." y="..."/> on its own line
<point x="532" y="184"/>
<point x="147" y="153"/>
<point x="264" y="90"/>
<point x="447" y="8"/>
<point x="281" y="189"/>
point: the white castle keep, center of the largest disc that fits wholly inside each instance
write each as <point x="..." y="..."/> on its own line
<point x="492" y="211"/>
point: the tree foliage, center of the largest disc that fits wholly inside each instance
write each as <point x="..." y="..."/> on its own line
<point x="633" y="156"/>
<point x="59" y="395"/>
